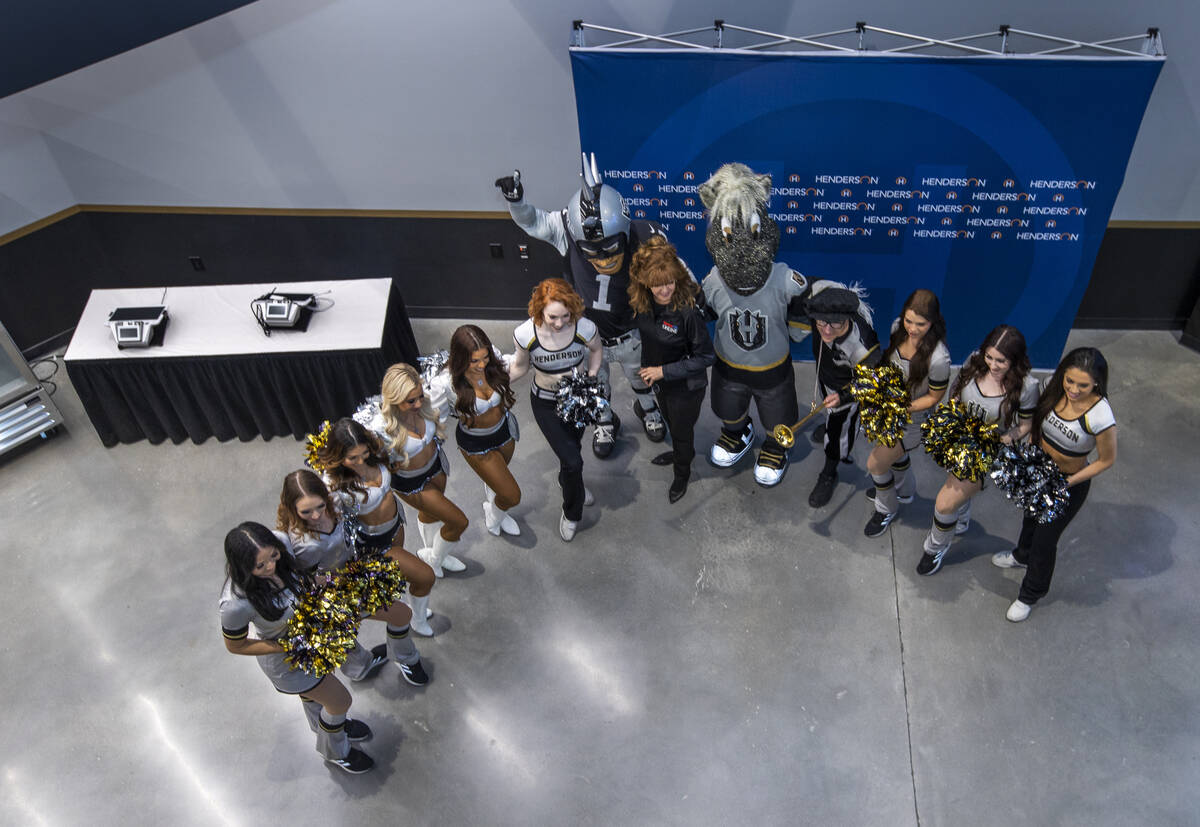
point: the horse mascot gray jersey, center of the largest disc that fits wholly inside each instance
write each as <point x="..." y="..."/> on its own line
<point x="758" y="305"/>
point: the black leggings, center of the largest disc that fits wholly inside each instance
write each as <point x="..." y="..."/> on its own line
<point x="565" y="440"/>
<point x="1038" y="546"/>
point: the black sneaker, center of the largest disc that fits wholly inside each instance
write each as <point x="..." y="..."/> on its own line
<point x="878" y="524"/>
<point x="414" y="673"/>
<point x="356" y="762"/>
<point x="357" y="730"/>
<point x="822" y="492"/>
<point x="604" y="438"/>
<point x="901" y="497"/>
<point x="379" y="657"/>
<point x="665" y="458"/>
<point x="931" y="563"/>
<point x="652" y="422"/>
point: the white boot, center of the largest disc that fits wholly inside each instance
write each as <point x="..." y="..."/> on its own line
<point x="428" y="532"/>
<point x="497" y="520"/>
<point x="439" y="557"/>
<point x="420" y="614"/>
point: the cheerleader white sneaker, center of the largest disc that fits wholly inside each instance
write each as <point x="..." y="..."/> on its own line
<point x="1018" y="611"/>
<point x="588" y="499"/>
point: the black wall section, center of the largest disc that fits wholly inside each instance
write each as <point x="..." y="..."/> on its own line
<point x="45" y="39"/>
<point x="442" y="266"/>
<point x="1144" y="278"/>
<point x="1147" y="278"/>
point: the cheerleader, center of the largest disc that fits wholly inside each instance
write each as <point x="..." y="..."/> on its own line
<point x="311" y="520"/>
<point x="413" y="436"/>
<point x="1073" y="419"/>
<point x="262" y="584"/>
<point x="676" y="349"/>
<point x="995" y="378"/>
<point x="918" y="349"/>
<point x="487" y="430"/>
<point x="555" y="339"/>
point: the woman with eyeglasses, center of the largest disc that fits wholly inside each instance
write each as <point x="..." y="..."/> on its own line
<point x="845" y="338"/>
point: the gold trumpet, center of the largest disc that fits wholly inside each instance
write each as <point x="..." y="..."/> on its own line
<point x="786" y="436"/>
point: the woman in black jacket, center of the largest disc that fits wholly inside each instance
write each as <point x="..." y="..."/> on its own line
<point x="676" y="348"/>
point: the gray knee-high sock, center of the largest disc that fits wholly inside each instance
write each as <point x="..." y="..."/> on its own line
<point x="906" y="482"/>
<point x="941" y="533"/>
<point x="886" y="500"/>
<point x="331" y="735"/>
<point x="357" y="662"/>
<point x="400" y="645"/>
<point x="312" y="711"/>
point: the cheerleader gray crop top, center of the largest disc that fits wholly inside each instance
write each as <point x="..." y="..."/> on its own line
<point x="971" y="395"/>
<point x="555" y="362"/>
<point x="938" y="376"/>
<point x="1077" y="437"/>
<point x="239" y="617"/>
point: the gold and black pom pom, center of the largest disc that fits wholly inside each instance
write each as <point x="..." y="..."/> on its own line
<point x="324" y="626"/>
<point x="959" y="440"/>
<point x="883" y="400"/>
<point x="314" y="444"/>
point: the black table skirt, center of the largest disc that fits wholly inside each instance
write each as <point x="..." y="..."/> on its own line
<point x="243" y="396"/>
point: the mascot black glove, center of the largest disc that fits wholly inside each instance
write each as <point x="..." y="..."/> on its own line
<point x="510" y="186"/>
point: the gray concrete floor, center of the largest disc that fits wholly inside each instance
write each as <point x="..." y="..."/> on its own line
<point x="734" y="658"/>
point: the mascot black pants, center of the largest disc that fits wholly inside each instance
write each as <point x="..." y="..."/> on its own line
<point x="773" y="391"/>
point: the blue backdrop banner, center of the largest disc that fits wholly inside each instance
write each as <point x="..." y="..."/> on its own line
<point x="987" y="180"/>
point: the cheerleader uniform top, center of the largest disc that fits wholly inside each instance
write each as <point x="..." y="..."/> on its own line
<point x="971" y="395"/>
<point x="372" y="496"/>
<point x="314" y="550"/>
<point x="482" y="406"/>
<point x="555" y="363"/>
<point x="938" y="376"/>
<point x="239" y="617"/>
<point x="1077" y="437"/>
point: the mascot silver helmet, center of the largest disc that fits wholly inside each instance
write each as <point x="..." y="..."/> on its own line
<point x="597" y="217"/>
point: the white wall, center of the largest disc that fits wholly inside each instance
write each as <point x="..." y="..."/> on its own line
<point x="379" y="104"/>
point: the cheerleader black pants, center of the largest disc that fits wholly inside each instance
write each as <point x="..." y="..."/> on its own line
<point x="1038" y="546"/>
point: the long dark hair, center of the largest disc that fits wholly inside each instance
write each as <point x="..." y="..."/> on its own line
<point x="1009" y="341"/>
<point x="465" y="341"/>
<point x="301" y="483"/>
<point x="345" y="435"/>
<point x="925" y="304"/>
<point x="1087" y="359"/>
<point x="241" y="553"/>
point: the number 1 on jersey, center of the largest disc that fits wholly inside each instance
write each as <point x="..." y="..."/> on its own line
<point x="601" y="302"/>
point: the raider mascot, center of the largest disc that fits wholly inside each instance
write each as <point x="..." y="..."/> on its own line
<point x="596" y="237"/>
<point x="758" y="305"/>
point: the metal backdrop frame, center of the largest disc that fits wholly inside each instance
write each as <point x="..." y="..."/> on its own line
<point x="1151" y="47"/>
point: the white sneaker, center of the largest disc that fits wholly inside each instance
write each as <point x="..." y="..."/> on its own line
<point x="771" y="466"/>
<point x="1018" y="611"/>
<point x="961" y="527"/>
<point x="727" y="450"/>
<point x="567" y="528"/>
<point x="1005" y="560"/>
<point x="588" y="499"/>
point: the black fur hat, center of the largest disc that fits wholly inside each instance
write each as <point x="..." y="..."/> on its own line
<point x="833" y="304"/>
